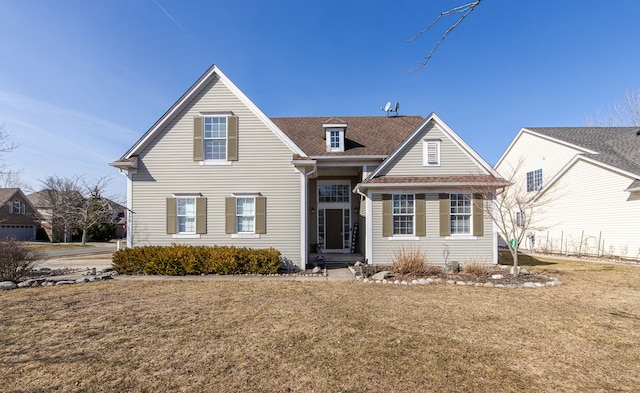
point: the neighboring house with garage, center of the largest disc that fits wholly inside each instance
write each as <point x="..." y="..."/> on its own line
<point x="215" y="170"/>
<point x="586" y="182"/>
<point x="18" y="217"/>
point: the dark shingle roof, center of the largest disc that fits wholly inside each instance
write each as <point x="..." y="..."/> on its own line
<point x="6" y="193"/>
<point x="616" y="146"/>
<point x="365" y="135"/>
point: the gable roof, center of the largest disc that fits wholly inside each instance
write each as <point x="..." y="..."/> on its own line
<point x="407" y="143"/>
<point x="211" y="73"/>
<point x="614" y="146"/>
<point x="7" y="193"/>
<point x="364" y="136"/>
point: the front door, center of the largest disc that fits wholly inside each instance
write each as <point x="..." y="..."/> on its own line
<point x="333" y="229"/>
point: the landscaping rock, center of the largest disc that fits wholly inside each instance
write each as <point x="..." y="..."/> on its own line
<point x="82" y="280"/>
<point x="106" y="270"/>
<point x="7" y="285"/>
<point x="515" y="270"/>
<point x="381" y="275"/>
<point x="65" y="282"/>
<point x="529" y="285"/>
<point x="451" y="282"/>
<point x="497" y="276"/>
<point x="30" y="283"/>
<point x="451" y="267"/>
<point x="488" y="284"/>
<point x="358" y="263"/>
<point x="316" y="269"/>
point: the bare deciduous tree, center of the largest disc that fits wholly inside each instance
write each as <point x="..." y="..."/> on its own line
<point x="462" y="10"/>
<point x="8" y="176"/>
<point x="74" y="204"/>
<point x="621" y="114"/>
<point x="512" y="209"/>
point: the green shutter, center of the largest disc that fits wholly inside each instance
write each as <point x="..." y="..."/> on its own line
<point x="230" y="215"/>
<point x="198" y="138"/>
<point x="172" y="216"/>
<point x="232" y="138"/>
<point x="421" y="215"/>
<point x="261" y="215"/>
<point x="478" y="222"/>
<point x="445" y="219"/>
<point x="387" y="215"/>
<point x="201" y="215"/>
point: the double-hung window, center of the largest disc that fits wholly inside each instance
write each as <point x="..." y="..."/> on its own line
<point x="186" y="215"/>
<point x="460" y="214"/>
<point x="403" y="214"/>
<point x="520" y="219"/>
<point x="245" y="215"/>
<point x="17" y="208"/>
<point x="215" y="138"/>
<point x="534" y="180"/>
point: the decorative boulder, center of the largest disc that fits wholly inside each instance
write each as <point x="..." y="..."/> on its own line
<point x="6" y="285"/>
<point x="381" y="275"/>
<point x="451" y="267"/>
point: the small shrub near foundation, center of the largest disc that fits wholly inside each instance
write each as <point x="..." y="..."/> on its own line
<point x="410" y="261"/>
<point x="178" y="260"/>
<point x="476" y="268"/>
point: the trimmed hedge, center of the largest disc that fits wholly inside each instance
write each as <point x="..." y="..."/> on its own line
<point x="179" y="260"/>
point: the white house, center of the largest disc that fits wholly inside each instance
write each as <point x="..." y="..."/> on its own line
<point x="589" y="180"/>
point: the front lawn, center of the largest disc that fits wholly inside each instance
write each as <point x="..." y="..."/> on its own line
<point x="284" y="336"/>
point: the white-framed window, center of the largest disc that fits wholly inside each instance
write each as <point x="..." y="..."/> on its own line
<point x="460" y="214"/>
<point x="403" y="214"/>
<point x="186" y="215"/>
<point x="16" y="207"/>
<point x="534" y="180"/>
<point x="520" y="218"/>
<point x="334" y="193"/>
<point x="335" y="139"/>
<point x="246" y="215"/>
<point x="215" y="138"/>
<point x="431" y="150"/>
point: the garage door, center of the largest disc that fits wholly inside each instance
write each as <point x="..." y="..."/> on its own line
<point x="20" y="232"/>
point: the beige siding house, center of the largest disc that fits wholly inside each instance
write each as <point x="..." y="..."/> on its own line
<point x="586" y="182"/>
<point x="215" y="170"/>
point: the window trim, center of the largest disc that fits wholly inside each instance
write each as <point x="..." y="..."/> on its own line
<point x="195" y="215"/>
<point x="425" y="152"/>
<point x="328" y="137"/>
<point x="534" y="180"/>
<point x="213" y="161"/>
<point x="412" y="215"/>
<point x="469" y="199"/>
<point x="253" y="199"/>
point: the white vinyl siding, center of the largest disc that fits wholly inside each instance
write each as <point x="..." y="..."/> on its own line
<point x="597" y="211"/>
<point x="264" y="165"/>
<point x="464" y="249"/>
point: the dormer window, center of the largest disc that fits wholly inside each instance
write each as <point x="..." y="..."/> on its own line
<point x="334" y="136"/>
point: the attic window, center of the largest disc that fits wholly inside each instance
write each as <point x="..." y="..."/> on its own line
<point x="334" y="136"/>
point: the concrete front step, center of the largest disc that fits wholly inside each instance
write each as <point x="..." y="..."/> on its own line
<point x="336" y="259"/>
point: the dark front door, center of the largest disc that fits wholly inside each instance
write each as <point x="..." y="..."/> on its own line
<point x="333" y="229"/>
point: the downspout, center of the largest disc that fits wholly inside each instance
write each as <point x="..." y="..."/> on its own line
<point x="304" y="218"/>
<point x="368" y="226"/>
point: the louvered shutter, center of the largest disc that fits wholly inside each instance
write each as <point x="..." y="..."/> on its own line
<point x="445" y="219"/>
<point x="172" y="216"/>
<point x="232" y="138"/>
<point x="478" y="215"/>
<point x="387" y="215"/>
<point x="261" y="215"/>
<point x="198" y="138"/>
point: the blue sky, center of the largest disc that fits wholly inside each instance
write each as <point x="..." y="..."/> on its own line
<point x="81" y="81"/>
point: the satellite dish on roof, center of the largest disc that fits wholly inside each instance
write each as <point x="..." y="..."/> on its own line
<point x="397" y="108"/>
<point x="387" y="106"/>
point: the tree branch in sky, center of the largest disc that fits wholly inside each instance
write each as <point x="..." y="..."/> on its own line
<point x="465" y="10"/>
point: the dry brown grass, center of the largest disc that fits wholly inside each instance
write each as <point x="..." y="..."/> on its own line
<point x="222" y="336"/>
<point x="410" y="261"/>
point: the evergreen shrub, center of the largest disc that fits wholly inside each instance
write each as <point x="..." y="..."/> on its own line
<point x="179" y="260"/>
